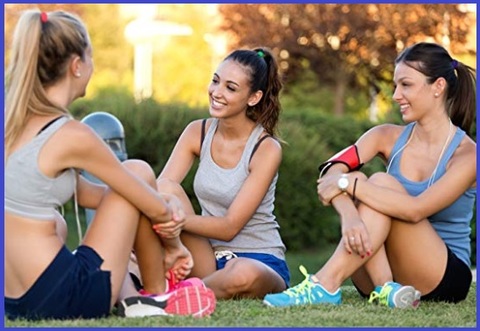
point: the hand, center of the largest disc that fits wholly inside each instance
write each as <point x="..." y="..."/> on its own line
<point x="174" y="226"/>
<point x="178" y="262"/>
<point x="356" y="238"/>
<point x="178" y="214"/>
<point x="327" y="188"/>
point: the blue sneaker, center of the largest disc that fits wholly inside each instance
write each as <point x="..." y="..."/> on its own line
<point x="394" y="295"/>
<point x="305" y="293"/>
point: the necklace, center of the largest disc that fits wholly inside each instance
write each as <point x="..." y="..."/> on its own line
<point x="430" y="181"/>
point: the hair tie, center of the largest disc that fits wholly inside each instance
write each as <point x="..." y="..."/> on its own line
<point x="454" y="64"/>
<point x="43" y="17"/>
<point x="261" y="54"/>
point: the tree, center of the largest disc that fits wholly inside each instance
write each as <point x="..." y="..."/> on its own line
<point x="346" y="46"/>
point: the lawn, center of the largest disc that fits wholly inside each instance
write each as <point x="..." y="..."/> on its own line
<point x="354" y="311"/>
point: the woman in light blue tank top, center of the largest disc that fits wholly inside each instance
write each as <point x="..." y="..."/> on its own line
<point x="406" y="232"/>
<point x="45" y="148"/>
<point x="235" y="242"/>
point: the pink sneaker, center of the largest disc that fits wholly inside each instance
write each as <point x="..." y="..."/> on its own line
<point x="173" y="283"/>
<point x="193" y="301"/>
<point x="194" y="281"/>
<point x="171" y="286"/>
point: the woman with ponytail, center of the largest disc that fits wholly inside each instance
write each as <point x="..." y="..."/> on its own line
<point x="45" y="149"/>
<point x="235" y="242"/>
<point x="406" y="231"/>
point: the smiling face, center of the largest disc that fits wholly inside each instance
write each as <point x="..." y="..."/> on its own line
<point x="229" y="90"/>
<point x="412" y="92"/>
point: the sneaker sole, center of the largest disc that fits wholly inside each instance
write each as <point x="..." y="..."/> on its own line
<point x="188" y="301"/>
<point x="141" y="306"/>
<point x="193" y="301"/>
<point x="416" y="300"/>
<point x="406" y="297"/>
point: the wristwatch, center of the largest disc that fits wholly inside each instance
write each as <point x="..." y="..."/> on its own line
<point x="343" y="183"/>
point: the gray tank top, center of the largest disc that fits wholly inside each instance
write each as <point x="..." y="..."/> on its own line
<point x="216" y="188"/>
<point x="28" y="192"/>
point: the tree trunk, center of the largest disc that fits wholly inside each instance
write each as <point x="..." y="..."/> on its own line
<point x="340" y="88"/>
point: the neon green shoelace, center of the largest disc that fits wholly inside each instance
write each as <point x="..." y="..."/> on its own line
<point x="382" y="297"/>
<point x="302" y="288"/>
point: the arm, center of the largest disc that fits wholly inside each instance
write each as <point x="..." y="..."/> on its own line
<point x="263" y="168"/>
<point x="377" y="141"/>
<point x="460" y="175"/>
<point x="184" y="153"/>
<point x="94" y="156"/>
<point x="370" y="144"/>
<point x="89" y="194"/>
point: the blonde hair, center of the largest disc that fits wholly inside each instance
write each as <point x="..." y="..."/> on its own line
<point x="40" y="55"/>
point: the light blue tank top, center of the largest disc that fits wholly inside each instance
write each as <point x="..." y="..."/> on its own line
<point x="453" y="222"/>
<point x="28" y="192"/>
<point x="217" y="187"/>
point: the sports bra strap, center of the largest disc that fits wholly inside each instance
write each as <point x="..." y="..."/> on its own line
<point x="258" y="144"/>
<point x="204" y="122"/>
<point x="48" y="124"/>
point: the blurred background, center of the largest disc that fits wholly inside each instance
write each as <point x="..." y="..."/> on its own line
<point x="153" y="63"/>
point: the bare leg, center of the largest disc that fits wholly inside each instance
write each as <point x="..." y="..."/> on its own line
<point x="413" y="253"/>
<point x="113" y="229"/>
<point x="244" y="278"/>
<point x="200" y="248"/>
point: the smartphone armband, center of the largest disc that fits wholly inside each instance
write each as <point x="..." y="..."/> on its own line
<point x="348" y="156"/>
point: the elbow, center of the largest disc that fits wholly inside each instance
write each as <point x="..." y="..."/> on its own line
<point x="228" y="235"/>
<point x="414" y="215"/>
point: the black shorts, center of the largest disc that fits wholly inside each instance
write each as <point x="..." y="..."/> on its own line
<point x="72" y="286"/>
<point x="454" y="285"/>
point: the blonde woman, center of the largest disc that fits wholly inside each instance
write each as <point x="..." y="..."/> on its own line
<point x="44" y="150"/>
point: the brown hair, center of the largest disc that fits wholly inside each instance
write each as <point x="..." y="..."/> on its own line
<point x="264" y="76"/>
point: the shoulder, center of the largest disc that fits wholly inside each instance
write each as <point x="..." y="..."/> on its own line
<point x="195" y="127"/>
<point x="267" y="147"/>
<point x="77" y="130"/>
<point x="467" y="149"/>
<point x="387" y="130"/>
<point x="382" y="133"/>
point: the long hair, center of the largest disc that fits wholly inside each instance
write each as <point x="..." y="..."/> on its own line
<point x="433" y="61"/>
<point x="264" y="76"/>
<point x="42" y="47"/>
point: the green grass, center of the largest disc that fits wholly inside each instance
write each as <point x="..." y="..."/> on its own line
<point x="354" y="311"/>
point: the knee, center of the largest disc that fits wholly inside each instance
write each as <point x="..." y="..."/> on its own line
<point x="141" y="169"/>
<point x="240" y="278"/>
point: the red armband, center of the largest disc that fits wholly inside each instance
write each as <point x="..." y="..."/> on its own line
<point x="348" y="156"/>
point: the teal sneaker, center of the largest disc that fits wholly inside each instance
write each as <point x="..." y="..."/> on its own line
<point x="394" y="295"/>
<point x="305" y="293"/>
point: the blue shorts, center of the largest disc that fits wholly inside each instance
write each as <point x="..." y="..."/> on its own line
<point x="72" y="286"/>
<point x="280" y="266"/>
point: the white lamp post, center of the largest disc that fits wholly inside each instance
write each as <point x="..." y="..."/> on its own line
<point x="142" y="32"/>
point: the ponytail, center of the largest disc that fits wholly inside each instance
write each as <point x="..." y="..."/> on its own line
<point x="462" y="97"/>
<point x="264" y="76"/>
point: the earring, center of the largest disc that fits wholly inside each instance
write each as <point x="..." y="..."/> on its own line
<point x="436" y="94"/>
<point x="77" y="74"/>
